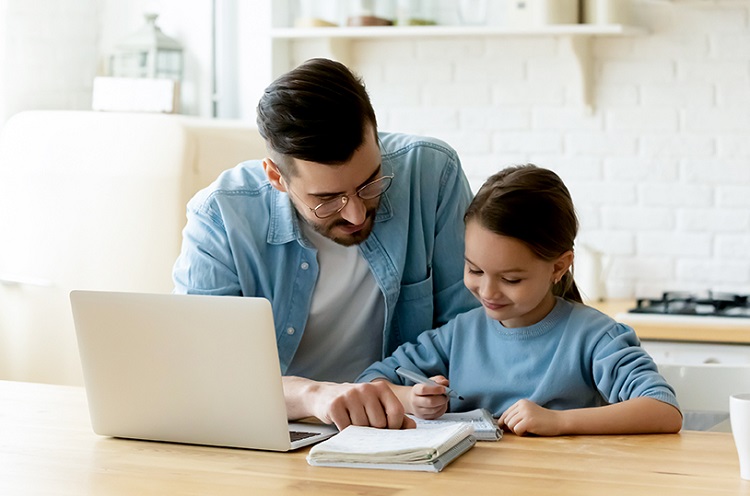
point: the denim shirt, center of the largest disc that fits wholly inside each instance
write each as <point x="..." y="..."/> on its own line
<point x="243" y="238"/>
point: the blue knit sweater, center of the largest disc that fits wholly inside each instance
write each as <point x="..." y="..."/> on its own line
<point x="573" y="358"/>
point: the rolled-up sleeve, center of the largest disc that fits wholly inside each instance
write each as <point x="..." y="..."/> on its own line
<point x="623" y="370"/>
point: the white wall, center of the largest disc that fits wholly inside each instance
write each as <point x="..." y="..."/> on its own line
<point x="48" y="54"/>
<point x="660" y="172"/>
<point x="51" y="50"/>
<point x="3" y="57"/>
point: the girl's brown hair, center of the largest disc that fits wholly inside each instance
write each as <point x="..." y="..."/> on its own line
<point x="533" y="205"/>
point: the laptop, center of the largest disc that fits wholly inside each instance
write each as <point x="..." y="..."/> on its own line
<point x="185" y="369"/>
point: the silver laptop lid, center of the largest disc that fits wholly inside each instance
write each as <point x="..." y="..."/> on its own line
<point x="182" y="368"/>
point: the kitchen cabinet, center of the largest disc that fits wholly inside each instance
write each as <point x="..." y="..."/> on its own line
<point x="695" y="353"/>
<point x="335" y="42"/>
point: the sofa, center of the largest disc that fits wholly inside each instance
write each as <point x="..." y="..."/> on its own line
<point x="94" y="200"/>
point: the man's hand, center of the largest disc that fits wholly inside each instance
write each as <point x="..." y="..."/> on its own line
<point x="369" y="404"/>
<point x="526" y="417"/>
<point x="429" y="402"/>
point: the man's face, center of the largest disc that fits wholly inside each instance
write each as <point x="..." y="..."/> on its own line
<point x="316" y="183"/>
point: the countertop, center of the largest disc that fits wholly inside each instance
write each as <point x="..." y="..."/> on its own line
<point x="677" y="328"/>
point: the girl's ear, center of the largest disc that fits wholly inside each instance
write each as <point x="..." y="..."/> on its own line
<point x="562" y="265"/>
<point x="273" y="174"/>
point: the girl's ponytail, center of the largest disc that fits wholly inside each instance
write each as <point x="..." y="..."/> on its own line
<point x="566" y="288"/>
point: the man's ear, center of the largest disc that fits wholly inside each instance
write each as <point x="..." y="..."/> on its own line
<point x="562" y="264"/>
<point x="273" y="174"/>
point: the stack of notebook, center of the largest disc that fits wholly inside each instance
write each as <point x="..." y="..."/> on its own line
<point x="423" y="449"/>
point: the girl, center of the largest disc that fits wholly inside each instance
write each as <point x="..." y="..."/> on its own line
<point x="533" y="354"/>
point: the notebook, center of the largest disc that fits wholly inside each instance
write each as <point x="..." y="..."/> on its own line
<point x="422" y="449"/>
<point x="185" y="369"/>
<point x="485" y="425"/>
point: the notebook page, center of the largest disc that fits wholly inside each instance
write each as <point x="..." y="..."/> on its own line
<point x="480" y="419"/>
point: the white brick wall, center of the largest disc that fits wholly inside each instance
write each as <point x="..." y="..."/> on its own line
<point x="660" y="172"/>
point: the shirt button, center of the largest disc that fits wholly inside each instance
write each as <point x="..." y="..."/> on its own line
<point x="290" y="330"/>
<point x="305" y="265"/>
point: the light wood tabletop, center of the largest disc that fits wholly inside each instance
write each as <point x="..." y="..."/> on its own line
<point x="47" y="447"/>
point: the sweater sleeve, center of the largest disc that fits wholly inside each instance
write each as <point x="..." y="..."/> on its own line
<point x="429" y="355"/>
<point x="623" y="370"/>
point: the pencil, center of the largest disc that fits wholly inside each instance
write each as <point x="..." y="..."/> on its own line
<point x="419" y="378"/>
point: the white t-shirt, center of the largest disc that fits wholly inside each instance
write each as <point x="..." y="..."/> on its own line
<point x="344" y="331"/>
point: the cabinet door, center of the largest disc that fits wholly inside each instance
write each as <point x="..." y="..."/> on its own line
<point x="697" y="353"/>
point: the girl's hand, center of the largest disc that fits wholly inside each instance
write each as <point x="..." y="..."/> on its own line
<point x="429" y="402"/>
<point x="526" y="417"/>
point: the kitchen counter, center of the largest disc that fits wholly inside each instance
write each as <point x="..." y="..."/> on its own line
<point x="677" y="327"/>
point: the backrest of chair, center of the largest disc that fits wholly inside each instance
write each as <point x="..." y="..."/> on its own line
<point x="703" y="390"/>
<point x="94" y="200"/>
<point x="706" y="386"/>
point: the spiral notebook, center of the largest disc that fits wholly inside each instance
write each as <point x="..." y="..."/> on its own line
<point x="422" y="449"/>
<point x="485" y="425"/>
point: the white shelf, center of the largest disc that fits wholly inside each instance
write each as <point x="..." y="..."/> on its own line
<point x="576" y="38"/>
<point x="368" y="32"/>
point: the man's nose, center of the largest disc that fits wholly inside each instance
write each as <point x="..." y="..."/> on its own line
<point x="354" y="211"/>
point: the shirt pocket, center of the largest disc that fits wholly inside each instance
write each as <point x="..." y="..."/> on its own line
<point x="415" y="309"/>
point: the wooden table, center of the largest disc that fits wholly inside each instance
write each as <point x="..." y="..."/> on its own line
<point x="47" y="447"/>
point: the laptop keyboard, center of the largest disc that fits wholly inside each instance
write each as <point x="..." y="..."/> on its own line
<point x="298" y="435"/>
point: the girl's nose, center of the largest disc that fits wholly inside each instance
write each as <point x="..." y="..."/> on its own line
<point x="488" y="289"/>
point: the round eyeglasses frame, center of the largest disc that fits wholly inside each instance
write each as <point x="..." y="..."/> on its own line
<point x="369" y="191"/>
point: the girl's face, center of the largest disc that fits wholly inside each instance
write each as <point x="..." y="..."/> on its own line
<point x="512" y="283"/>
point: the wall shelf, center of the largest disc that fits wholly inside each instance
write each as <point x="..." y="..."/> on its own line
<point x="370" y="32"/>
<point x="576" y="41"/>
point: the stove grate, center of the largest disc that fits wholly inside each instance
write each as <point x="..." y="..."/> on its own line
<point x="715" y="304"/>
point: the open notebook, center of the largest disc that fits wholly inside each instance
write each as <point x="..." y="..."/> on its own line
<point x="185" y="368"/>
<point x="485" y="426"/>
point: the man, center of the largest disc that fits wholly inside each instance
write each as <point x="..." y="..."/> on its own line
<point x="355" y="236"/>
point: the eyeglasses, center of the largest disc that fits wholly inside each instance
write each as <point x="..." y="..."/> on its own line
<point x="369" y="191"/>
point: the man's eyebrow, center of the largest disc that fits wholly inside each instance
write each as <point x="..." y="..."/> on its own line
<point x="372" y="177"/>
<point x="363" y="183"/>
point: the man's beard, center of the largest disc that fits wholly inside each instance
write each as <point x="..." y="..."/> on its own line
<point x="347" y="239"/>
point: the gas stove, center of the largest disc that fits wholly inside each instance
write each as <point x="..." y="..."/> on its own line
<point x="708" y="304"/>
<point x="709" y="316"/>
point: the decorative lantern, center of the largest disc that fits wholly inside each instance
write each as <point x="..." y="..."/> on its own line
<point x="148" y="53"/>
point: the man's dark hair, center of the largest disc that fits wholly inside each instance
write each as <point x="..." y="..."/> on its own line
<point x="317" y="112"/>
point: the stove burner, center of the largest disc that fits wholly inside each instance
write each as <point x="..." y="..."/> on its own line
<point x="712" y="304"/>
